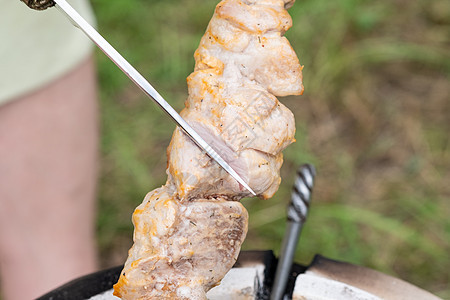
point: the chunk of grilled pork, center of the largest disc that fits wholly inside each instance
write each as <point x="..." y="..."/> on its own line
<point x="188" y="233"/>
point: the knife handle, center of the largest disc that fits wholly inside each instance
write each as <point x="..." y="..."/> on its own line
<point x="39" y="4"/>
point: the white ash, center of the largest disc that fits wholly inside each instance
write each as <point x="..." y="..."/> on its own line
<point x="108" y="295"/>
<point x="238" y="284"/>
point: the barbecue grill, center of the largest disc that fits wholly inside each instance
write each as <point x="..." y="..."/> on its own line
<point x="254" y="273"/>
<point x="260" y="275"/>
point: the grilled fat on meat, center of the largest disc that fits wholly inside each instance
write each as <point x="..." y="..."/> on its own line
<point x="188" y="233"/>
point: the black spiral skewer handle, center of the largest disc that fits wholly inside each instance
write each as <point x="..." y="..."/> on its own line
<point x="39" y="4"/>
<point x="296" y="216"/>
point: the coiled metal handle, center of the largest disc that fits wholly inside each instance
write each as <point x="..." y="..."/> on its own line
<point x="301" y="194"/>
<point x="39" y="4"/>
<point x="296" y="216"/>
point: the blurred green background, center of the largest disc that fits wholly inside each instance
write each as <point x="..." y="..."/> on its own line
<point x="374" y="120"/>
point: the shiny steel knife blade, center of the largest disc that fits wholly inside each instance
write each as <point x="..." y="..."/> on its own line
<point x="146" y="87"/>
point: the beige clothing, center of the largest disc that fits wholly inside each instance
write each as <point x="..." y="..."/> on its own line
<point x="37" y="47"/>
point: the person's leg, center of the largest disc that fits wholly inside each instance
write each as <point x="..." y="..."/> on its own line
<point x="48" y="174"/>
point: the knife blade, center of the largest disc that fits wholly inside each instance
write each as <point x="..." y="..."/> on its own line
<point x="145" y="86"/>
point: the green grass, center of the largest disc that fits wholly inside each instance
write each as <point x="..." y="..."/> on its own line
<point x="374" y="120"/>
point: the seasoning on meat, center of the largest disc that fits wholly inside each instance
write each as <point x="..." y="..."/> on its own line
<point x="188" y="233"/>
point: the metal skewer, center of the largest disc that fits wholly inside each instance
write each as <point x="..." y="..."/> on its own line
<point x="296" y="216"/>
<point x="138" y="79"/>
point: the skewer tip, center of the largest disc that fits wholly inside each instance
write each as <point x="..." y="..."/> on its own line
<point x="245" y="185"/>
<point x="250" y="190"/>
